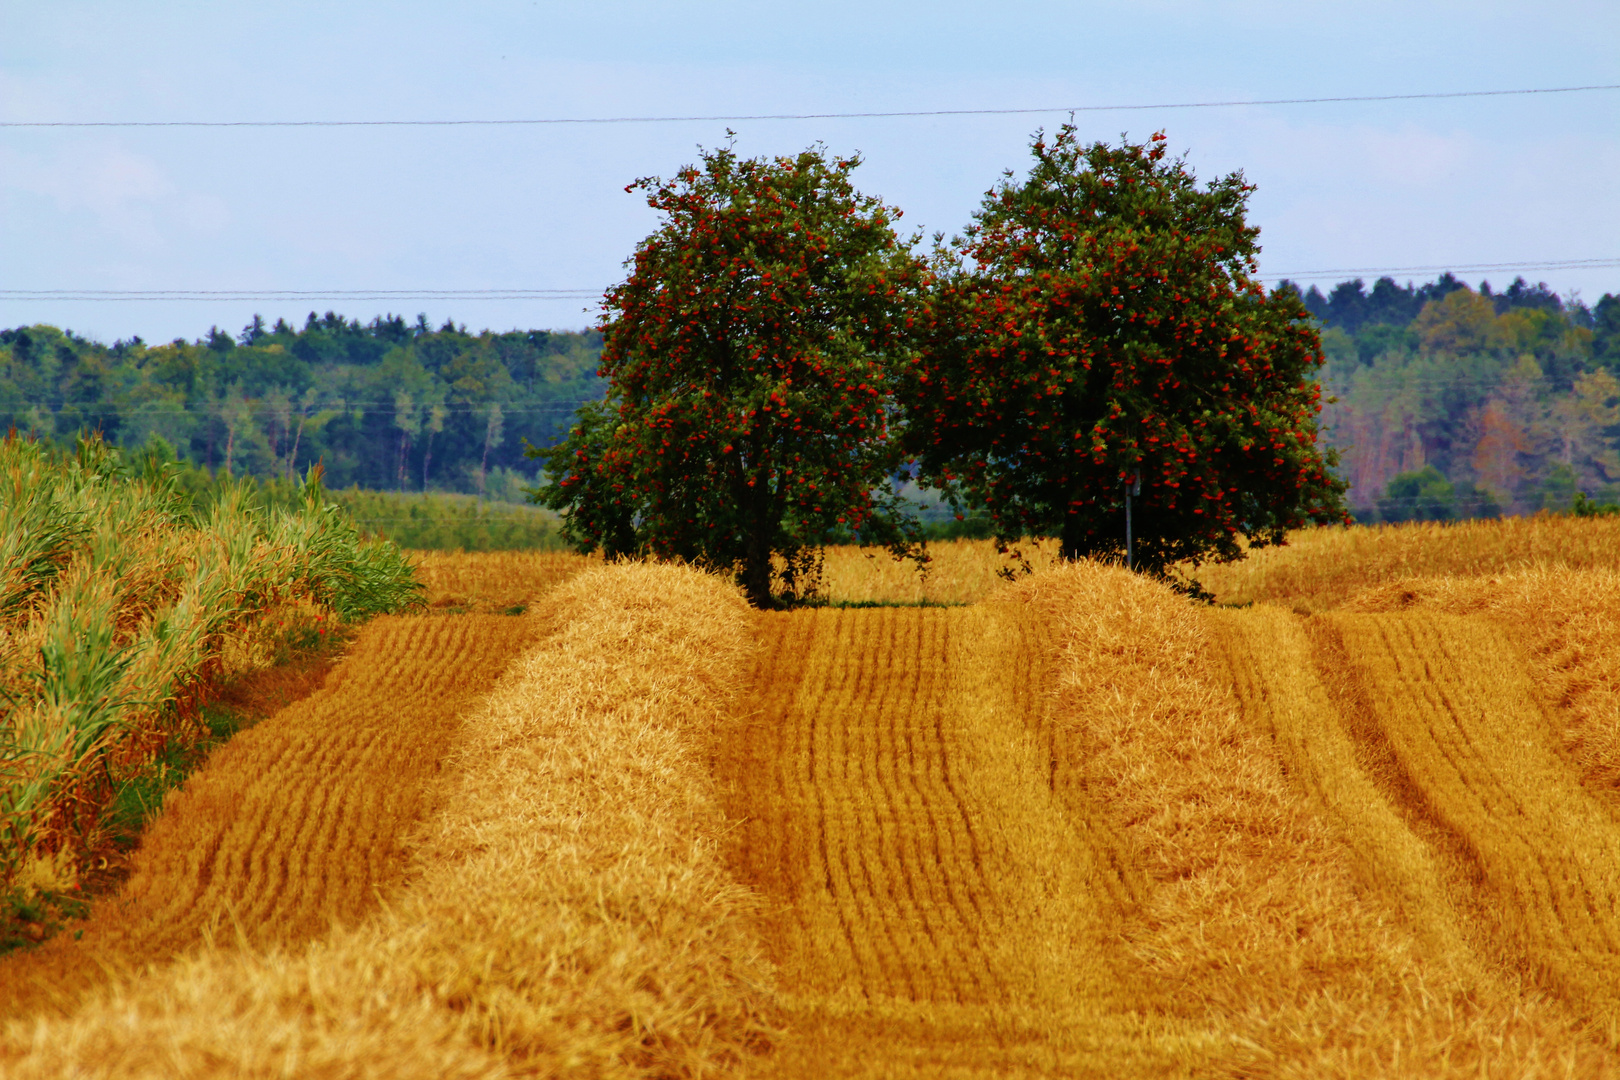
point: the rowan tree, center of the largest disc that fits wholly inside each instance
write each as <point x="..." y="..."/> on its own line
<point x="750" y="355"/>
<point x="1100" y="317"/>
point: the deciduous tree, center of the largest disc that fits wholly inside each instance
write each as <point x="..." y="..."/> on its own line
<point x="1104" y="320"/>
<point x="750" y="355"/>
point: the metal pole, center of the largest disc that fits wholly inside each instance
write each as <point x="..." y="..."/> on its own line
<point x="1133" y="486"/>
<point x="1127" y="526"/>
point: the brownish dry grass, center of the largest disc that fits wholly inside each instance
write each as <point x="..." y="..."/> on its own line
<point x="297" y="822"/>
<point x="1088" y="828"/>
<point x="936" y="908"/>
<point x="493" y="581"/>
<point x="1258" y="911"/>
<point x="1322" y="568"/>
<point x="1450" y="697"/>
<point x="960" y="572"/>
<point x="569" y="913"/>
<point x="1567" y="623"/>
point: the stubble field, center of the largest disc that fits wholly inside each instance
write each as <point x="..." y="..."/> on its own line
<point x="1367" y="824"/>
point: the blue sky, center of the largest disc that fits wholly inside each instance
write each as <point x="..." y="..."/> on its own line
<point x="1394" y="184"/>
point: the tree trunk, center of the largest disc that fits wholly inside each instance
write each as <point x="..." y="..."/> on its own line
<point x="757" y="563"/>
<point x="404" y="445"/>
<point x="292" y="455"/>
<point x="757" y="571"/>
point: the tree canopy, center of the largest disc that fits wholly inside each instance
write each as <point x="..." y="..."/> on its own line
<point x="750" y="356"/>
<point x="1103" y="321"/>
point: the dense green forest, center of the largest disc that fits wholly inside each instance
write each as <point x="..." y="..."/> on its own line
<point x="1448" y="401"/>
<point x="1460" y="402"/>
<point x="388" y="405"/>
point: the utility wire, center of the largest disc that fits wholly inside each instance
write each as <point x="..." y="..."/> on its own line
<point x="893" y="114"/>
<point x="1463" y="268"/>
<point x="300" y="295"/>
<point x="272" y="295"/>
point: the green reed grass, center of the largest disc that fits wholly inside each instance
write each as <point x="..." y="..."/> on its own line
<point x="119" y="599"/>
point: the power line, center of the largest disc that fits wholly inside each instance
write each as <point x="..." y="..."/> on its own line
<point x="301" y="295"/>
<point x="258" y="407"/>
<point x="1462" y="268"/>
<point x="291" y="295"/>
<point x="874" y="115"/>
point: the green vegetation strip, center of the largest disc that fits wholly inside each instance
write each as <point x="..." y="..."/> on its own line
<point x="123" y="604"/>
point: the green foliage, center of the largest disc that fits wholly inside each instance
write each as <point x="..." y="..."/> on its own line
<point x="1426" y="495"/>
<point x="29" y="916"/>
<point x="1606" y="332"/>
<point x="1103" y="320"/>
<point x="444" y="522"/>
<point x="386" y="406"/>
<point x="1585" y="506"/>
<point x="115" y="627"/>
<point x="751" y="357"/>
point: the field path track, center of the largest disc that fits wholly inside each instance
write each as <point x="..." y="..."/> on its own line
<point x="1279" y="681"/>
<point x="1420" y="735"/>
<point x="297" y="822"/>
<point x="939" y="906"/>
<point x="1452" y="699"/>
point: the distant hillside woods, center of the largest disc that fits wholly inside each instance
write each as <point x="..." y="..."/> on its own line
<point x="1456" y="402"/>
<point x="1451" y="401"/>
<point x="389" y="405"/>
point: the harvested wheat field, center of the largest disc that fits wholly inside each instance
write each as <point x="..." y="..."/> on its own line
<point x="565" y="909"/>
<point x="296" y="823"/>
<point x="1080" y="826"/>
<point x="1087" y="828"/>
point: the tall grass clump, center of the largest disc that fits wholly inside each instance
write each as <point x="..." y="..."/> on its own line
<point x="119" y="604"/>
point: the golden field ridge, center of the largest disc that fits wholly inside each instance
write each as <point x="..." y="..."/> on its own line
<point x="1071" y="826"/>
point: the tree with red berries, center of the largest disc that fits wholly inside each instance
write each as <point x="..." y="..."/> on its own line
<point x="1100" y="320"/>
<point x="751" y="356"/>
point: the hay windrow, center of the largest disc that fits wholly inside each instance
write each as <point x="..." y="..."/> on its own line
<point x="568" y="914"/>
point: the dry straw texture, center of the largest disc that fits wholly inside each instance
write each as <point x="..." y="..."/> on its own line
<point x="959" y="572"/>
<point x="938" y="908"/>
<point x="295" y="823"/>
<point x="492" y="581"/>
<point x="1451" y="699"/>
<point x="1567" y="624"/>
<point x="570" y="914"/>
<point x="1259" y="911"/>
<point x="1043" y="836"/>
<point x="1321" y="568"/>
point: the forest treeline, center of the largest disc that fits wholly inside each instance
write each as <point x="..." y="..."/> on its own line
<point x="1451" y="401"/>
<point x="1448" y="400"/>
<point x="388" y="405"/>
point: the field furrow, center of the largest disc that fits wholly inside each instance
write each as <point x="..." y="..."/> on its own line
<point x="1453" y="702"/>
<point x="1275" y="676"/>
<point x="298" y="822"/>
<point x="935" y="908"/>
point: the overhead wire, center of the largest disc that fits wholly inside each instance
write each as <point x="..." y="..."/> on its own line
<point x="533" y="294"/>
<point x="864" y="115"/>
<point x="578" y="293"/>
<point x="291" y="295"/>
